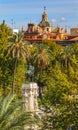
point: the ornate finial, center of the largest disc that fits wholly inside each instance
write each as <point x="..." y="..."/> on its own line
<point x="44" y="8"/>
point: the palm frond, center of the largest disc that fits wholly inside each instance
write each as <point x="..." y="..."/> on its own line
<point x="12" y="116"/>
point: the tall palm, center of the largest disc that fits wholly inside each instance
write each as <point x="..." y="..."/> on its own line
<point x="17" y="49"/>
<point x="12" y="116"/>
<point x="42" y="57"/>
<point x="42" y="60"/>
<point x="66" y="56"/>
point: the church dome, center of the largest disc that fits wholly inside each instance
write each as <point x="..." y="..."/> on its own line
<point x="44" y="22"/>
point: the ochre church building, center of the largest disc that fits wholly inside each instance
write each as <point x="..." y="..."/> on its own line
<point x="44" y="30"/>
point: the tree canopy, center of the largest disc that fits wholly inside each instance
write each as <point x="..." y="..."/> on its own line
<point x="56" y="72"/>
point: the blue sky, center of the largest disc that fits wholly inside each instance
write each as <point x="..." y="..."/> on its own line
<point x="60" y="12"/>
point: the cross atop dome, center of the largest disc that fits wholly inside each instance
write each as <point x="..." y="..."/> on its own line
<point x="44" y="8"/>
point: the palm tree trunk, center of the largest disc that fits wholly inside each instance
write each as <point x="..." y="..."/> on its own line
<point x="66" y="62"/>
<point x="13" y="79"/>
<point x="40" y="87"/>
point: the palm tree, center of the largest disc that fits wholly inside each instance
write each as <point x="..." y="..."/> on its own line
<point x="42" y="57"/>
<point x="12" y="116"/>
<point x="66" y="56"/>
<point x="17" y="49"/>
<point x="42" y="60"/>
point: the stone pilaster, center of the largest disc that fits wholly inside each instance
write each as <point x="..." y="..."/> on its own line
<point x="30" y="92"/>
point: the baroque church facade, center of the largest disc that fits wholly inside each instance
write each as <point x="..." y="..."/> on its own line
<point x="44" y="30"/>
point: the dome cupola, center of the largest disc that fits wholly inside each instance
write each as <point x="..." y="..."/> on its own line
<point x="44" y="22"/>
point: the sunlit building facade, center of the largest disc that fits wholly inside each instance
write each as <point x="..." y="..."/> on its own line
<point x="44" y="30"/>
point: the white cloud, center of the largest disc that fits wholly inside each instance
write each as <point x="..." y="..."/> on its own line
<point x="63" y="19"/>
<point x="53" y="20"/>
